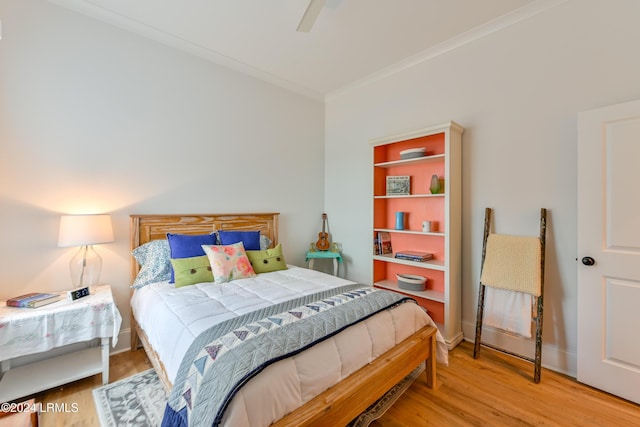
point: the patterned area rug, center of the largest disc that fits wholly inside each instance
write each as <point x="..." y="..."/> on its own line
<point x="139" y="401"/>
<point x="378" y="409"/>
<point x="135" y="401"/>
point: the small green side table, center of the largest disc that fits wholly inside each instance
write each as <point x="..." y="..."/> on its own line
<point x="335" y="256"/>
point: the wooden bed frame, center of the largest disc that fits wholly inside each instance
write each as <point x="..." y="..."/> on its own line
<point x="339" y="404"/>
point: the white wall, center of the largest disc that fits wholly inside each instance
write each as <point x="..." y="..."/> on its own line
<point x="517" y="92"/>
<point x="96" y="119"/>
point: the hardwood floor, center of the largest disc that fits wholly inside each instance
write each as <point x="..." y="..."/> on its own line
<point x="498" y="390"/>
<point x="495" y="390"/>
<point x="72" y="405"/>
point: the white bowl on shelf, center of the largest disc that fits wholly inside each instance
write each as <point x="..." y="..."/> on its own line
<point x="411" y="282"/>
<point x="412" y="153"/>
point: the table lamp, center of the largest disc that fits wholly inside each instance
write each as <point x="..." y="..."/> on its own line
<point x="85" y="231"/>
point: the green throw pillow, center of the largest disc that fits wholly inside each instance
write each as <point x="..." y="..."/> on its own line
<point x="189" y="271"/>
<point x="267" y="260"/>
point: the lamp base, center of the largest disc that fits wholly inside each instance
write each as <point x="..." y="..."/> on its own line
<point x="85" y="267"/>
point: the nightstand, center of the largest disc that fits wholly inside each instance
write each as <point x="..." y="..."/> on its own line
<point x="335" y="256"/>
<point x="27" y="331"/>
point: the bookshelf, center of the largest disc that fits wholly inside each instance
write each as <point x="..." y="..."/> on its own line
<point x="443" y="157"/>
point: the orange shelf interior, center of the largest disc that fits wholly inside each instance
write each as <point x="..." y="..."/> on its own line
<point x="417" y="209"/>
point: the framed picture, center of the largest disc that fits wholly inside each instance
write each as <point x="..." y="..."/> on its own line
<point x="398" y="185"/>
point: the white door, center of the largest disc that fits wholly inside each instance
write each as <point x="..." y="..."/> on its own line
<point x="609" y="249"/>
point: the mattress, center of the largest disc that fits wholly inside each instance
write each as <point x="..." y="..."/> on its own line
<point x="173" y="317"/>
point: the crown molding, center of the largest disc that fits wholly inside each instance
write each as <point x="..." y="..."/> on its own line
<point x="96" y="12"/>
<point x="495" y="25"/>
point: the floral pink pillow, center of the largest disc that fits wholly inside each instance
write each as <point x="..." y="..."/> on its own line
<point x="228" y="262"/>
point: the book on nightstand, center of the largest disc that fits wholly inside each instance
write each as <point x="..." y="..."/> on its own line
<point x="33" y="300"/>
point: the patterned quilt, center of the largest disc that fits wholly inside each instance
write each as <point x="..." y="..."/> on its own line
<point x="228" y="355"/>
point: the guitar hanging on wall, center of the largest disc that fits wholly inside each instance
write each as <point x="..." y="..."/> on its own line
<point x="323" y="237"/>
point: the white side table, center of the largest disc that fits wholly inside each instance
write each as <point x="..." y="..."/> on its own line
<point x="25" y="331"/>
<point x="314" y="255"/>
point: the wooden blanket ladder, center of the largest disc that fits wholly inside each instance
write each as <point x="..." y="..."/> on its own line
<point x="516" y="264"/>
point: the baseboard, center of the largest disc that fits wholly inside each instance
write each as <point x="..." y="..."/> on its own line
<point x="553" y="358"/>
<point x="124" y="342"/>
<point x="457" y="339"/>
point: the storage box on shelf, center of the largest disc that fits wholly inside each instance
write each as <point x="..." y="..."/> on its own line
<point x="442" y="157"/>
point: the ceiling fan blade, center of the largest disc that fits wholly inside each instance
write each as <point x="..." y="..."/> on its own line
<point x="310" y="15"/>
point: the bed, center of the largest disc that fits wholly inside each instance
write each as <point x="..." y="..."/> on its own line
<point x="323" y="398"/>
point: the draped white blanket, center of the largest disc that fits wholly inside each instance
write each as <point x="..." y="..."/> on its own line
<point x="508" y="310"/>
<point x="511" y="274"/>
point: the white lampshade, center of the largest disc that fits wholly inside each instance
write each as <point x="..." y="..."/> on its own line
<point x="85" y="231"/>
<point x="80" y="230"/>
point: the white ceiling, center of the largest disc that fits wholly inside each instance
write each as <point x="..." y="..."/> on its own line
<point x="352" y="40"/>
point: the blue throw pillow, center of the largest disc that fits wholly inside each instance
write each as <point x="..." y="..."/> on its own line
<point x="250" y="239"/>
<point x="187" y="246"/>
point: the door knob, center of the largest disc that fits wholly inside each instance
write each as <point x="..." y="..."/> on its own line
<point x="588" y="261"/>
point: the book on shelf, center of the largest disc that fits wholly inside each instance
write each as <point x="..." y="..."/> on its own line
<point x="33" y="300"/>
<point x="414" y="255"/>
<point x="376" y="246"/>
<point x="384" y="243"/>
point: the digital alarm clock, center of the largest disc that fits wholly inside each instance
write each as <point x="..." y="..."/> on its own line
<point x="78" y="293"/>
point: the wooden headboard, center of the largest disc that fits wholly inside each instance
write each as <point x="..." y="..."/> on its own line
<point x="145" y="228"/>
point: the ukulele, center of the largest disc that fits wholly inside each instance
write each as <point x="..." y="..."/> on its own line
<point x="323" y="237"/>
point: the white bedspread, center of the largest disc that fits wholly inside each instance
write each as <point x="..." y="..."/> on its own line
<point x="172" y="318"/>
